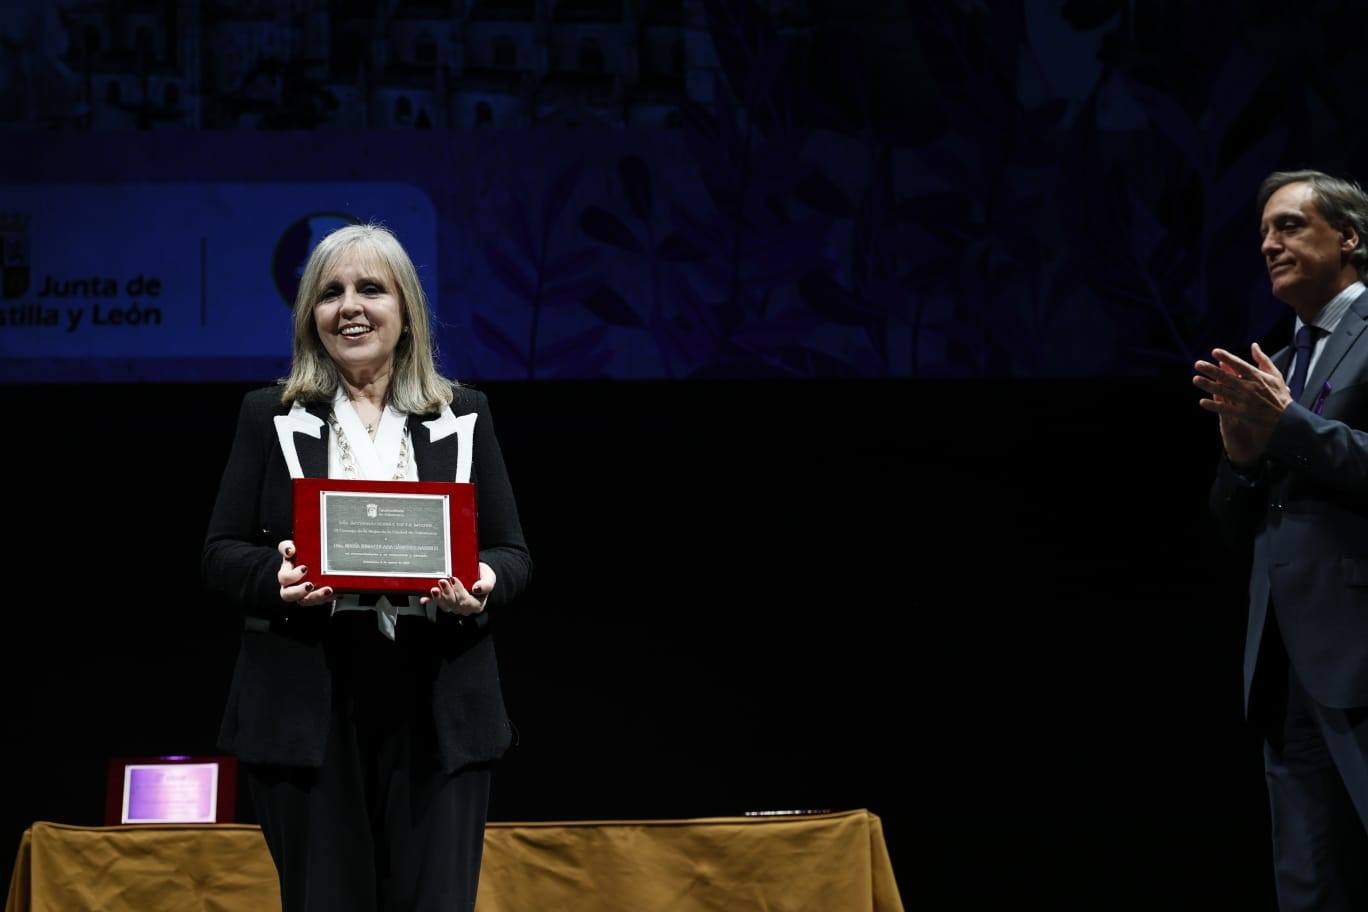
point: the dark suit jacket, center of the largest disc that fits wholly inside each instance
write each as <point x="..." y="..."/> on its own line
<point x="1306" y="515"/>
<point x="280" y="698"/>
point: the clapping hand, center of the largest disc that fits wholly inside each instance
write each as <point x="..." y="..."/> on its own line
<point x="1249" y="398"/>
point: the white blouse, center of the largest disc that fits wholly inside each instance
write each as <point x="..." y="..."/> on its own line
<point x="375" y="460"/>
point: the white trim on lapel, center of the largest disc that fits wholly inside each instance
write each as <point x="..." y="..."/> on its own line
<point x="447" y="424"/>
<point x="298" y="421"/>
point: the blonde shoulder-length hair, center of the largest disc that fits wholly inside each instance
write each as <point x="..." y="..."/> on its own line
<point x="415" y="386"/>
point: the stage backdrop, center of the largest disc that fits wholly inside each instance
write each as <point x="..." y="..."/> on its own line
<point x="677" y="188"/>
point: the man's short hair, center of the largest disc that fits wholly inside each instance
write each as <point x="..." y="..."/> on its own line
<point x="1342" y="203"/>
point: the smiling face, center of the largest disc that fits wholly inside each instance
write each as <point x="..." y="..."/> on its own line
<point x="1307" y="257"/>
<point x="359" y="314"/>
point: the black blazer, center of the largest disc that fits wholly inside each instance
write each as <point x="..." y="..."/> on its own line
<point x="280" y="697"/>
<point x="1305" y="512"/>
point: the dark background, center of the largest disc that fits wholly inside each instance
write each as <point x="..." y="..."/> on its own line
<point x="913" y="516"/>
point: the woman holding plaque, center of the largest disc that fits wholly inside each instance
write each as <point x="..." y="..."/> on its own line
<point x="365" y="725"/>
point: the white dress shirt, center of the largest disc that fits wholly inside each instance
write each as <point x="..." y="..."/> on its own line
<point x="375" y="460"/>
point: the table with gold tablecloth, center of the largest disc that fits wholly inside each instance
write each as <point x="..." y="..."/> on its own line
<point x="821" y="862"/>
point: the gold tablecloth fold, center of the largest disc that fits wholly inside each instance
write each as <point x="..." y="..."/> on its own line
<point x="823" y="863"/>
<point x="211" y="868"/>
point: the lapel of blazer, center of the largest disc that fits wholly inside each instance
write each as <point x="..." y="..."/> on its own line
<point x="313" y="451"/>
<point x="1336" y="348"/>
<point x="302" y="441"/>
<point x="442" y="445"/>
<point x="1281" y="359"/>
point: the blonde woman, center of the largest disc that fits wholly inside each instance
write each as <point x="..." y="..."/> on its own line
<point x="365" y="726"/>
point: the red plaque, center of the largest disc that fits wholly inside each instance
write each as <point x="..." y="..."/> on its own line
<point x="385" y="536"/>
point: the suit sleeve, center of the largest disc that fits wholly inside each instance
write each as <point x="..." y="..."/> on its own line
<point x="1329" y="452"/>
<point x="501" y="537"/>
<point x="235" y="566"/>
<point x="1238" y="503"/>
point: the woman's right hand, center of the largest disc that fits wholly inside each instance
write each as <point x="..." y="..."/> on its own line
<point x="293" y="588"/>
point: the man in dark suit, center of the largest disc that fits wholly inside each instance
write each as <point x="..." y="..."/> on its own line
<point x="1294" y="485"/>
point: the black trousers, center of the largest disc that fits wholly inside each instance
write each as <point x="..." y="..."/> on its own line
<point x="1316" y="770"/>
<point x="379" y="826"/>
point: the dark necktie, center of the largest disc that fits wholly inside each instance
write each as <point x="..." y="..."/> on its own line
<point x="1306" y="338"/>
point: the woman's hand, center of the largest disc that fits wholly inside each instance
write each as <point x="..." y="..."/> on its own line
<point x="451" y="596"/>
<point x="293" y="589"/>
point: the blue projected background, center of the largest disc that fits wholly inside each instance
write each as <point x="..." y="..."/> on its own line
<point x="173" y="280"/>
<point x="664" y="189"/>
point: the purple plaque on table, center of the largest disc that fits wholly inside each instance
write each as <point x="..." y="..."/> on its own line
<point x="175" y="789"/>
<point x="170" y="793"/>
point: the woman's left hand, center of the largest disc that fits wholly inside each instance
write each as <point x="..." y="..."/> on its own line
<point x="451" y="596"/>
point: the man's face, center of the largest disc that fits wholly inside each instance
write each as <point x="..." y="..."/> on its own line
<point x="1307" y="258"/>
